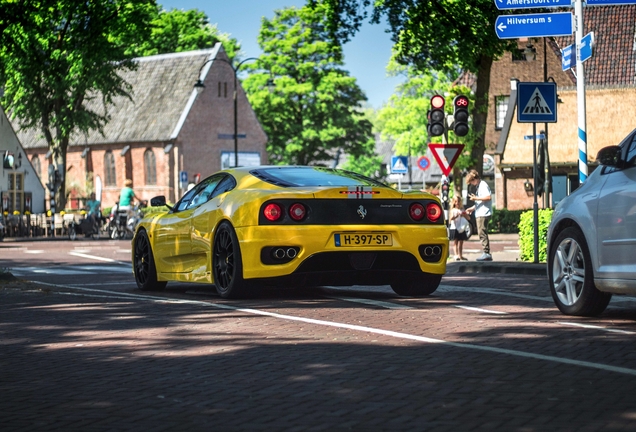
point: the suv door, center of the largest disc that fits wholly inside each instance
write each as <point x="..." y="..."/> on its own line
<point x="616" y="217"/>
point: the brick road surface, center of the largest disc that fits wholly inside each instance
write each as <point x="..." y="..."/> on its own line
<point x="99" y="361"/>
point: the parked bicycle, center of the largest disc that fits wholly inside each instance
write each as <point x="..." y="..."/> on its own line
<point x="89" y="227"/>
<point x="122" y="223"/>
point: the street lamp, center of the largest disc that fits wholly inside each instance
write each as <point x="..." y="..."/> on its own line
<point x="200" y="86"/>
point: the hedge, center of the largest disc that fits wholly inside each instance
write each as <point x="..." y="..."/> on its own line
<point x="526" y="234"/>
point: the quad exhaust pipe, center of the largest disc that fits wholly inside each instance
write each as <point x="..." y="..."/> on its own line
<point x="282" y="253"/>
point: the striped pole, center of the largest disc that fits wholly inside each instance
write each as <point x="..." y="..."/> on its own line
<point x="580" y="92"/>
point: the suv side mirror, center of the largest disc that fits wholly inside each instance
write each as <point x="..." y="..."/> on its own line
<point x="610" y="156"/>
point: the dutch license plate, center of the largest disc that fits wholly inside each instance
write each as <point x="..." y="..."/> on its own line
<point x="362" y="239"/>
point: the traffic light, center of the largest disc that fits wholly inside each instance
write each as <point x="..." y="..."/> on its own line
<point x="445" y="187"/>
<point x="436" y="116"/>
<point x="460" y="114"/>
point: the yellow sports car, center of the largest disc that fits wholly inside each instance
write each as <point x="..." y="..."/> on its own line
<point x="245" y="228"/>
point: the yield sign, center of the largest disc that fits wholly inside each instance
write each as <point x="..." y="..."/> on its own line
<point x="446" y="155"/>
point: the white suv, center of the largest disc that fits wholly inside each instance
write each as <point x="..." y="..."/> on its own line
<point x="592" y="236"/>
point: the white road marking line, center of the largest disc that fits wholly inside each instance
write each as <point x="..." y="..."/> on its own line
<point x="364" y="329"/>
<point x="378" y="303"/>
<point x="79" y="254"/>
<point x="34" y="251"/>
<point x="590" y="326"/>
<point x="476" y="309"/>
<point x="53" y="271"/>
<point x="447" y="288"/>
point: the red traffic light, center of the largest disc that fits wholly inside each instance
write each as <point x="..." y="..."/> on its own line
<point x="437" y="102"/>
<point x="461" y="101"/>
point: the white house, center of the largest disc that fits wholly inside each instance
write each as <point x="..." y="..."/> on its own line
<point x="20" y="185"/>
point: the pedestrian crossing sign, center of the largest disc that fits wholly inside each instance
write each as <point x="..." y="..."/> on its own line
<point x="536" y="102"/>
<point x="399" y="165"/>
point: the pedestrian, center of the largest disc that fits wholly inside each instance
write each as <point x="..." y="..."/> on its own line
<point x="126" y="196"/>
<point x="482" y="210"/>
<point x="458" y="224"/>
<point x="93" y="208"/>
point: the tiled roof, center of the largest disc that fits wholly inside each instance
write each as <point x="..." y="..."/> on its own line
<point x="613" y="60"/>
<point x="162" y="91"/>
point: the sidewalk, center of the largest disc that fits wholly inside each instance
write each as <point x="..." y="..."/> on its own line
<point x="504" y="249"/>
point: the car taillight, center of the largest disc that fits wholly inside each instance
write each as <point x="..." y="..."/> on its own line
<point x="297" y="212"/>
<point x="272" y="212"/>
<point x="433" y="212"/>
<point x="416" y="211"/>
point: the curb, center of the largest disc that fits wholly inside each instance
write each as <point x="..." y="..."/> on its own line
<point x="503" y="267"/>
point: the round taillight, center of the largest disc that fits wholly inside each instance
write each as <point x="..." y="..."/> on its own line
<point x="416" y="211"/>
<point x="272" y="212"/>
<point x="297" y="212"/>
<point x="433" y="212"/>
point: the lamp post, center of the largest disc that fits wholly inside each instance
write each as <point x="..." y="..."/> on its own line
<point x="200" y="86"/>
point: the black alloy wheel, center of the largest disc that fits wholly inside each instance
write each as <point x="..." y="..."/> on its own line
<point x="227" y="264"/>
<point x="144" y="265"/>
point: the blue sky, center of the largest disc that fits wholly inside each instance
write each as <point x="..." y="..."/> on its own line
<point x="366" y="56"/>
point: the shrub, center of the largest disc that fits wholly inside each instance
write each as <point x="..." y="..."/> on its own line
<point x="504" y="221"/>
<point x="526" y="234"/>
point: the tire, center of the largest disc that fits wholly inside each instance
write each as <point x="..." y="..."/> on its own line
<point x="571" y="276"/>
<point x="227" y="265"/>
<point x="72" y="233"/>
<point x="144" y="265"/>
<point x="417" y="287"/>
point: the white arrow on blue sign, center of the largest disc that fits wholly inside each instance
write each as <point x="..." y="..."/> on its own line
<point x="534" y="25"/>
<point x="529" y="4"/>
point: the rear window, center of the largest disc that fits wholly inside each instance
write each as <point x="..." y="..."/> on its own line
<point x="312" y="176"/>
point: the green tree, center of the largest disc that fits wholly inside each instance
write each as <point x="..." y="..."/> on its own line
<point x="58" y="55"/>
<point x="184" y="30"/>
<point x="438" y="35"/>
<point x="308" y="105"/>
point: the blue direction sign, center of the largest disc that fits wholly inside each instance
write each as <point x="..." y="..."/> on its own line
<point x="534" y="25"/>
<point x="399" y="165"/>
<point x="609" y="2"/>
<point x="587" y="43"/>
<point x="529" y="4"/>
<point x="536" y="102"/>
<point x="566" y="57"/>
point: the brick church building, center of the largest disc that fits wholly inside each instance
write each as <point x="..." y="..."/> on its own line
<point x="166" y="133"/>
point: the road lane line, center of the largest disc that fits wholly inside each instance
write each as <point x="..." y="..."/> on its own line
<point x="378" y="303"/>
<point x="476" y="309"/>
<point x="590" y="326"/>
<point x="389" y="333"/>
<point x="34" y="251"/>
<point x="79" y="254"/>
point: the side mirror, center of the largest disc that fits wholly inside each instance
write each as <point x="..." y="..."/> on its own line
<point x="610" y="156"/>
<point x="159" y="201"/>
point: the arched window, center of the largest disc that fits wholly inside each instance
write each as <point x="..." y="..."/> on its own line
<point x="110" y="173"/>
<point x="150" y="167"/>
<point x="35" y="161"/>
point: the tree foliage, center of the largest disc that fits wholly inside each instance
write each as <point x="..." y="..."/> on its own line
<point x="58" y="55"/>
<point x="441" y="35"/>
<point x="308" y="105"/>
<point x="180" y="30"/>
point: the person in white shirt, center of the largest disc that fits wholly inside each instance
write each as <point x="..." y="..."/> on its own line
<point x="482" y="211"/>
<point x="457" y="228"/>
